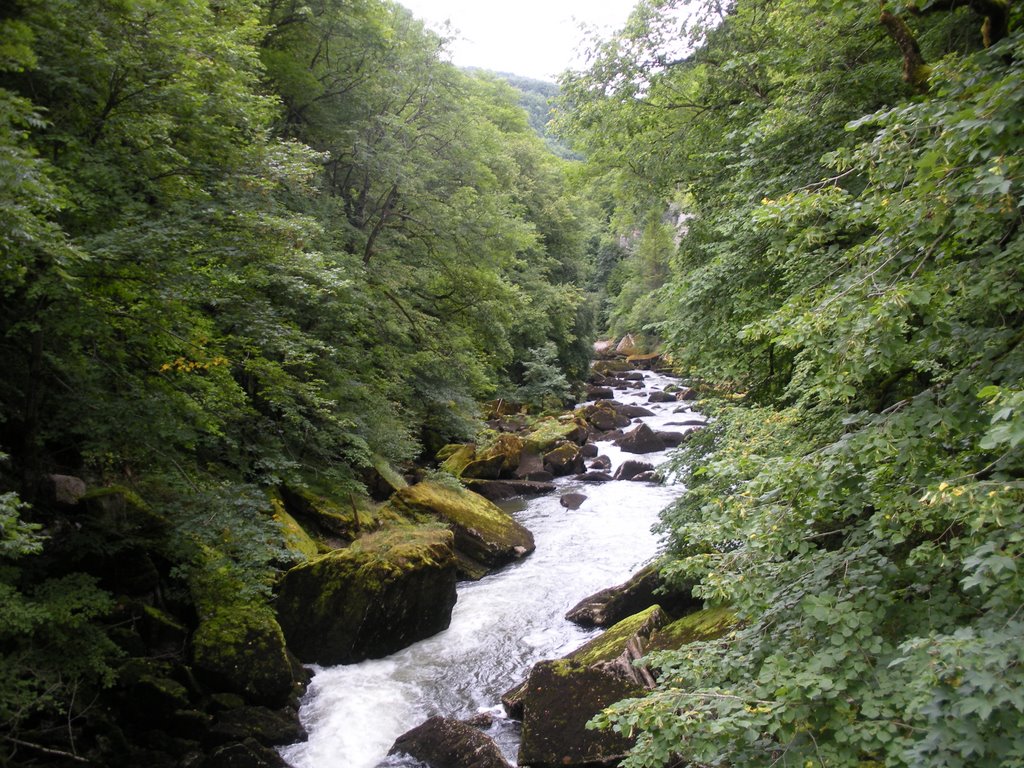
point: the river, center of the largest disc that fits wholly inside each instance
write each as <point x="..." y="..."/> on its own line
<point x="501" y="625"/>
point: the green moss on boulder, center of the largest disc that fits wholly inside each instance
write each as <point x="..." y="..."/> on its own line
<point x="708" y="624"/>
<point x="294" y="536"/>
<point x="485" y="536"/>
<point x="385" y="592"/>
<point x="547" y="433"/>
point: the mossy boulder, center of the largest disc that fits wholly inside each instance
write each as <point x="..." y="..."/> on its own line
<point x="547" y="433"/>
<point x="565" y="459"/>
<point x="485" y="536"/>
<point x="497" y="459"/>
<point x="455" y="461"/>
<point x="603" y="416"/>
<point x="642" y="590"/>
<point x="560" y="697"/>
<point x="293" y="535"/>
<point x="385" y="592"/>
<point x="706" y="624"/>
<point x="324" y="516"/>
<point x="242" y="647"/>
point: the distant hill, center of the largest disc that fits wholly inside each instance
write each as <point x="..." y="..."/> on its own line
<point x="536" y="97"/>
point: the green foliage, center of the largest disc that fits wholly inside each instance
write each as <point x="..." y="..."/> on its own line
<point x="543" y="381"/>
<point x="852" y="266"/>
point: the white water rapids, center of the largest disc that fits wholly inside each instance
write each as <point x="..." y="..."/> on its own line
<point x="501" y="625"/>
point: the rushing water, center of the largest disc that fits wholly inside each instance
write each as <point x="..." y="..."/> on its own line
<point x="501" y="625"/>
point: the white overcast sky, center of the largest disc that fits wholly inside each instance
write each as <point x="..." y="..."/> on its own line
<point x="534" y="38"/>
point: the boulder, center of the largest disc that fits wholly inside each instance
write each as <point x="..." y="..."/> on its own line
<point x="589" y="451"/>
<point x="244" y="754"/>
<point x="706" y="624"/>
<point x="238" y="645"/>
<point x="644" y="589"/>
<point x="499" y="490"/>
<point x="661" y="397"/>
<point x="641" y="439"/>
<point x="324" y="516"/>
<point x="633" y="411"/>
<point x="671" y="439"/>
<point x="631" y="468"/>
<point x="267" y="726"/>
<point x="608" y="367"/>
<point x="633" y="376"/>
<point x="594" y="476"/>
<point x="548" y="433"/>
<point x="602" y="462"/>
<point x="572" y="500"/>
<point x="442" y="742"/>
<point x="566" y="459"/>
<point x="686" y="393"/>
<point x="64" y="490"/>
<point x="560" y="697"/>
<point x="385" y="592"/>
<point x="486" y="537"/>
<point x="627" y="345"/>
<point x="604" y="348"/>
<point x="604" y="416"/>
<point x="531" y="467"/>
<point x="643" y="477"/>
<point x="293" y="535"/>
<point x="599" y="393"/>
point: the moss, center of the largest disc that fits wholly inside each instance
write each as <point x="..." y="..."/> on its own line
<point x="547" y="432"/>
<point x="431" y="501"/>
<point x="389" y="474"/>
<point x="610" y="644"/>
<point x="459" y="459"/>
<point x="708" y="624"/>
<point x="388" y="589"/>
<point x="294" y="536"/>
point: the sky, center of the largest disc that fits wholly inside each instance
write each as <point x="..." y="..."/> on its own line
<point x="533" y="38"/>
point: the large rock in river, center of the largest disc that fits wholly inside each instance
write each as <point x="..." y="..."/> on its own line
<point x="485" y="536"/>
<point x="560" y="697"/>
<point x="644" y="589"/>
<point x="379" y="595"/>
<point x="442" y="742"/>
<point x="641" y="439"/>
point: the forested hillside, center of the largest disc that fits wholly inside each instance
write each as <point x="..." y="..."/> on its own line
<point x="247" y="245"/>
<point x="823" y="201"/>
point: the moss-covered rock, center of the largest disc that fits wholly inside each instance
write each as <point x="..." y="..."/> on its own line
<point x="238" y="645"/>
<point x="456" y="460"/>
<point x="294" y="536"/>
<point x="337" y="522"/>
<point x="485" y="536"/>
<point x="707" y="624"/>
<point x="561" y="696"/>
<point x="556" y="710"/>
<point x="565" y="459"/>
<point x="385" y="592"/>
<point x="241" y="647"/>
<point x="547" y="433"/>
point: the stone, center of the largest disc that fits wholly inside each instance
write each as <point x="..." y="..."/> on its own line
<point x="702" y="625"/>
<point x="648" y="362"/>
<point x="238" y="645"/>
<point x="661" y="397"/>
<point x="572" y="500"/>
<point x="594" y="476"/>
<point x="499" y="490"/>
<point x="548" y="433"/>
<point x="486" y="537"/>
<point x="641" y="439"/>
<point x="294" y="537"/>
<point x="686" y="393"/>
<point x="66" y="490"/>
<point x="566" y="459"/>
<point x="631" y="468"/>
<point x="599" y="393"/>
<point x="589" y="451"/>
<point x="604" y="348"/>
<point x="634" y="376"/>
<point x="385" y="592"/>
<point x="530" y="466"/>
<point x="561" y="696"/>
<point x="443" y="742"/>
<point x="671" y="439"/>
<point x="644" y="589"/>
<point x="643" y="477"/>
<point x="604" y="416"/>
<point x="601" y="462"/>
<point x="627" y="345"/>
<point x="633" y="411"/>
